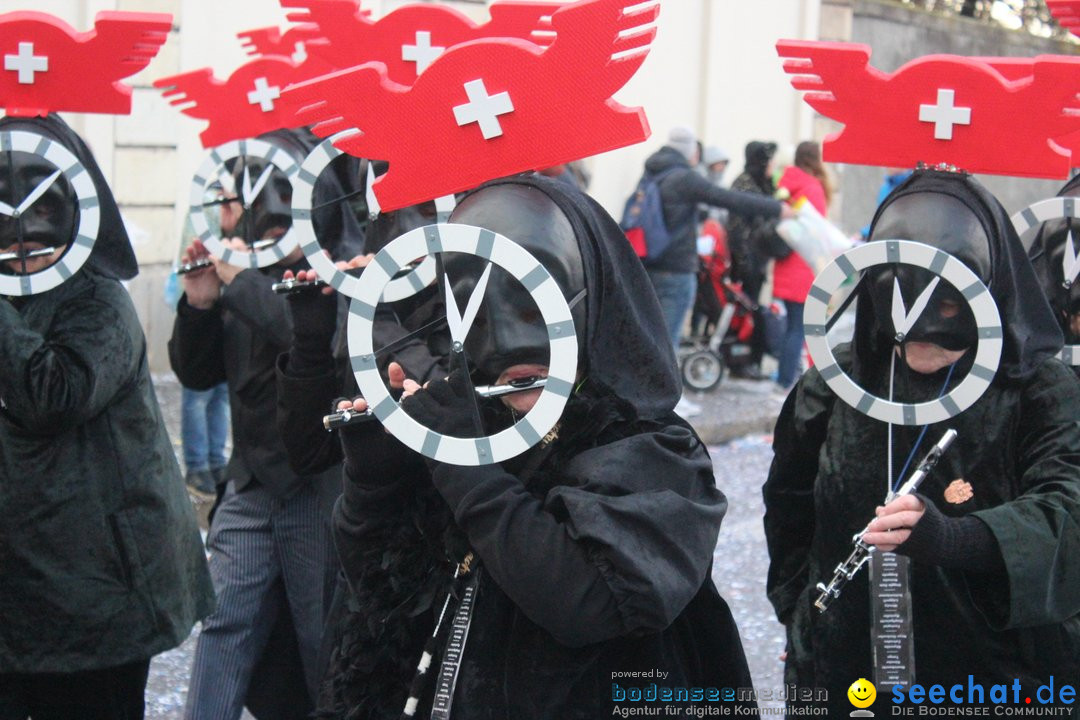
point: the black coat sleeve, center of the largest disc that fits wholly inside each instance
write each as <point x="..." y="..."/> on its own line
<point x="197" y="347"/>
<point x="251" y="298"/>
<point x="693" y="187"/>
<point x="1038" y="531"/>
<point x="789" y="490"/>
<point x="302" y="402"/>
<point x="620" y="549"/>
<point x="59" y="380"/>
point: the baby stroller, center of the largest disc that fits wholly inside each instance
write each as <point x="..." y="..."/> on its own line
<point x="722" y="322"/>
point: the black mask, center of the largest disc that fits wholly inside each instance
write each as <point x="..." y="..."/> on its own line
<point x="392" y="225"/>
<point x="1063" y="293"/>
<point x="51" y="219"/>
<point x="509" y="329"/>
<point x="943" y="222"/>
<point x="271" y="208"/>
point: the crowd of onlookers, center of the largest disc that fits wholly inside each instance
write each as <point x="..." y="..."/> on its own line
<point x="733" y="234"/>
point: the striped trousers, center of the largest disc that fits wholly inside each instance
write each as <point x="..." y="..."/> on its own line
<point x="267" y="556"/>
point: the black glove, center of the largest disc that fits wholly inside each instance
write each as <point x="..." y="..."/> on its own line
<point x="962" y="543"/>
<point x="374" y="457"/>
<point x="314" y="319"/>
<point x="445" y="406"/>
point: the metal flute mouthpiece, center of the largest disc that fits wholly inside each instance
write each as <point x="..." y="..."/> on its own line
<point x="193" y="266"/>
<point x="293" y="286"/>
<point x="16" y="255"/>
<point x="205" y="262"/>
<point x="343" y="418"/>
<point x="861" y="552"/>
<point x="290" y="287"/>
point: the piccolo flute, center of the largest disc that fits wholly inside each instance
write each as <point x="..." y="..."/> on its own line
<point x="846" y="570"/>
<point x="289" y="287"/>
<point x="343" y="418"/>
<point x="205" y="262"/>
<point x="193" y="266"/>
<point x="16" y="255"/>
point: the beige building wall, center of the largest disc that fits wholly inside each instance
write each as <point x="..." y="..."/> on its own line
<point x="713" y="67"/>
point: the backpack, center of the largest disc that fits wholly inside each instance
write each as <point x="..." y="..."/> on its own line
<point x="643" y="218"/>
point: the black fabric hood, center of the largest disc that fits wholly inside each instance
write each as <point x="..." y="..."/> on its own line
<point x="336" y="225"/>
<point x="757" y="155"/>
<point x="1031" y="333"/>
<point x="112" y="255"/>
<point x="627" y="352"/>
<point x="664" y="159"/>
<point x="1047" y="253"/>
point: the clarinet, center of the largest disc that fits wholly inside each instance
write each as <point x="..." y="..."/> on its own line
<point x="344" y="418"/>
<point x="860" y="554"/>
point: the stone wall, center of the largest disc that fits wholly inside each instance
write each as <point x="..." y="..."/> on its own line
<point x="898" y="34"/>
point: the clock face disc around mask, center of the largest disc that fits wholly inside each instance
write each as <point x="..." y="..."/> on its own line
<point x="1031" y="218"/>
<point x="406" y="285"/>
<point x="948" y="269"/>
<point x="545" y="292"/>
<point x="85" y="235"/>
<point x="213" y="169"/>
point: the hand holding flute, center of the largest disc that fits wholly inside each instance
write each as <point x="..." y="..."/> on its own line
<point x="891" y="527"/>
<point x="200" y="281"/>
<point x="358" y="411"/>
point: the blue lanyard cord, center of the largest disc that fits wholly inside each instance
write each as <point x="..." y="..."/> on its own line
<point x="911" y="455"/>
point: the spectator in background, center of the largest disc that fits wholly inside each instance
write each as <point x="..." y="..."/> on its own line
<point x="674" y="272"/>
<point x="792" y="277"/>
<point x="714" y="161"/>
<point x="753" y="241"/>
<point x="204" y="425"/>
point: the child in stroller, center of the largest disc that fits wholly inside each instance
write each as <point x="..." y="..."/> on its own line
<point x="722" y="322"/>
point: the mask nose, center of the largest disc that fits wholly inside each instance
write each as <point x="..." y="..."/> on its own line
<point x="509" y="329"/>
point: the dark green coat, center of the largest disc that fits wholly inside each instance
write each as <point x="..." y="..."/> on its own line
<point x="100" y="557"/>
<point x="1019" y="448"/>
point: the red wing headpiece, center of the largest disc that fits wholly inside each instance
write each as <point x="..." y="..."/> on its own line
<point x="409" y="39"/>
<point x="48" y="66"/>
<point x="491" y="108"/>
<point x="942" y="109"/>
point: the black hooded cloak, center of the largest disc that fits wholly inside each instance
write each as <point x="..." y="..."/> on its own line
<point x="238" y="341"/>
<point x="1046" y="253"/>
<point x="112" y="256"/>
<point x="100" y="554"/>
<point x="1018" y="447"/>
<point x="595" y="546"/>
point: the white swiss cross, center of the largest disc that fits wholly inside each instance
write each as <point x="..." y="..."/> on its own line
<point x="422" y="53"/>
<point x="264" y="94"/>
<point x="945" y="114"/>
<point x="483" y="109"/>
<point x="26" y="63"/>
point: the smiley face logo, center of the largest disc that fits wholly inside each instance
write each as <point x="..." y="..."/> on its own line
<point x="862" y="693"/>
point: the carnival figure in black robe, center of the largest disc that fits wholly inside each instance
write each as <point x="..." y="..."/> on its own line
<point x="1047" y="253"/>
<point x="995" y="580"/>
<point x="271" y="552"/>
<point x="593" y="548"/>
<point x="101" y="563"/>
